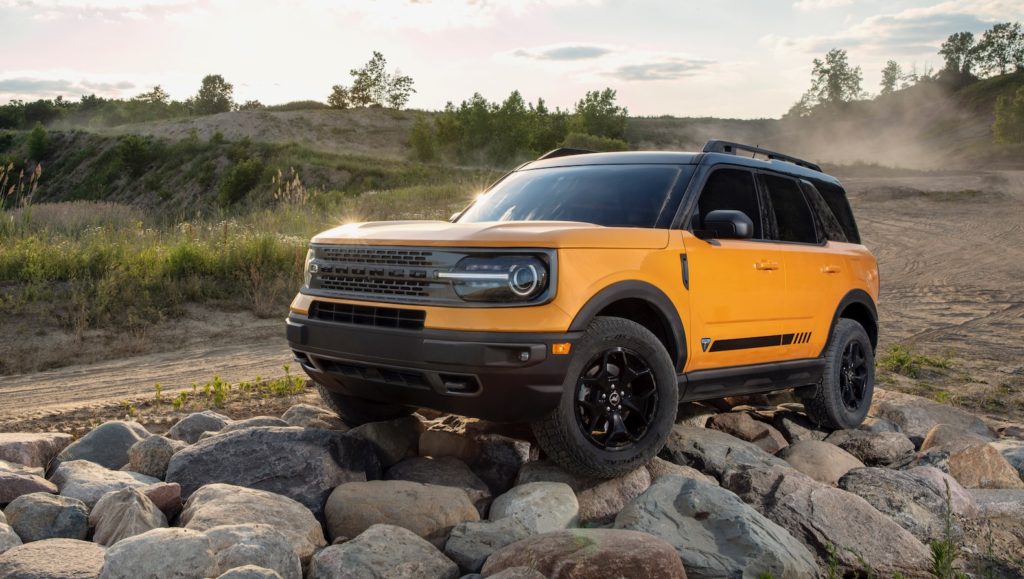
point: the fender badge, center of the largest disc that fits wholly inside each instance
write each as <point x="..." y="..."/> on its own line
<point x="704" y="343"/>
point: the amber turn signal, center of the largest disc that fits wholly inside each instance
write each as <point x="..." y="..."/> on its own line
<point x="561" y="349"/>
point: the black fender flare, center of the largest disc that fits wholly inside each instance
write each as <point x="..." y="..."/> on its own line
<point x="857" y="296"/>
<point x="634" y="289"/>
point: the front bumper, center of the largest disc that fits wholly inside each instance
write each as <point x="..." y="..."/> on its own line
<point x="507" y="377"/>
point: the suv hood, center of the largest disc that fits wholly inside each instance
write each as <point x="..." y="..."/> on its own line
<point x="541" y="234"/>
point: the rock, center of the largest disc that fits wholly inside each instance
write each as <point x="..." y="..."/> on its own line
<point x="949" y="438"/>
<point x="34" y="449"/>
<point x="8" y="538"/>
<point x="150" y="455"/>
<point x="250" y="423"/>
<point x="821" y="461"/>
<point x="106" y="445"/>
<point x="394" y="440"/>
<point x="124" y="513"/>
<point x="15" y="468"/>
<point x="599" y="500"/>
<point x="659" y="467"/>
<point x="166" y="497"/>
<point x="960" y="499"/>
<point x="191" y="427"/>
<point x="981" y="466"/>
<point x="819" y="515"/>
<point x="993" y="503"/>
<point x="795" y="426"/>
<point x="1015" y="431"/>
<point x="471" y="543"/>
<point x="302" y="464"/>
<point x="309" y="416"/>
<point x="430" y="511"/>
<point x="249" y="572"/>
<point x="590" y="554"/>
<point x="41" y="516"/>
<point x="217" y="505"/>
<point x="872" y="424"/>
<point x="1012" y="451"/>
<point x="444" y="471"/>
<point x="903" y="497"/>
<point x="713" y="452"/>
<point x="88" y="481"/>
<point x="693" y="414"/>
<point x="438" y="443"/>
<point x="714" y="532"/>
<point x="915" y="416"/>
<point x="160" y="554"/>
<point x="235" y="546"/>
<point x="3" y="519"/>
<point x="512" y="573"/>
<point x="383" y="551"/>
<point x="874" y="448"/>
<point x="744" y="427"/>
<point x="13" y="485"/>
<point x="51" y="559"/>
<point x="500" y="459"/>
<point x="540" y="506"/>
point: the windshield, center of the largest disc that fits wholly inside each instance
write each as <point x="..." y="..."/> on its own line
<point x="609" y="195"/>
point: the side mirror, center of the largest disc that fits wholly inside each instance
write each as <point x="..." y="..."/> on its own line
<point x="726" y="224"/>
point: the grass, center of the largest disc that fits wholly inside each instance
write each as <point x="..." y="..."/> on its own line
<point x="902" y="360"/>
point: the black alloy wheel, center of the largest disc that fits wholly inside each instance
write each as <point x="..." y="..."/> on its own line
<point x="616" y="397"/>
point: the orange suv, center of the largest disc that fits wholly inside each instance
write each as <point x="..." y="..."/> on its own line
<point x="590" y="293"/>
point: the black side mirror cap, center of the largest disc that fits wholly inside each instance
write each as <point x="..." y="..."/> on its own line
<point x="726" y="224"/>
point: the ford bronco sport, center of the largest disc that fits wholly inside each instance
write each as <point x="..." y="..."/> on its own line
<point x="590" y="293"/>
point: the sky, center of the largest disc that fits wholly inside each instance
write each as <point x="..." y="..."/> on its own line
<point x="734" y="59"/>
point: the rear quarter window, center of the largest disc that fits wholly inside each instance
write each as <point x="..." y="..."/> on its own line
<point x="835" y="197"/>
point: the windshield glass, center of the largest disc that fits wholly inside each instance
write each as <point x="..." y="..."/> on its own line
<point x="609" y="195"/>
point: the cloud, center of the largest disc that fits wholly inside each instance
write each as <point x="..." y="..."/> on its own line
<point x="25" y="87"/>
<point x="820" y="4"/>
<point x="670" y="69"/>
<point x="563" y="52"/>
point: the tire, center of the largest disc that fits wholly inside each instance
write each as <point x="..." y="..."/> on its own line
<point x="842" y="399"/>
<point x="579" y="435"/>
<point x="354" y="411"/>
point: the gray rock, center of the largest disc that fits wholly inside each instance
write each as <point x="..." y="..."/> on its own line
<point x="217" y="505"/>
<point x="106" y="445"/>
<point x="235" y="546"/>
<point x="8" y="538"/>
<point x="903" y="497"/>
<point x="124" y="513"/>
<point x="52" y="559"/>
<point x="872" y="424"/>
<point x="41" y="516"/>
<point x="796" y="426"/>
<point x="160" y="554"/>
<point x="383" y="551"/>
<point x="16" y="468"/>
<point x="940" y="483"/>
<point x="890" y="449"/>
<point x="994" y="503"/>
<point x="309" y="416"/>
<point x="35" y="449"/>
<point x="394" y="440"/>
<point x="151" y="455"/>
<point x="694" y="414"/>
<point x="539" y="506"/>
<point x="512" y="573"/>
<point x="191" y="427"/>
<point x="444" y="471"/>
<point x="470" y="544"/>
<point x="439" y="443"/>
<point x="500" y="459"/>
<point x="819" y="460"/>
<point x="1013" y="452"/>
<point x="743" y="426"/>
<point x="249" y="572"/>
<point x="713" y="452"/>
<point x="714" y="532"/>
<point x="254" y="421"/>
<point x="166" y="497"/>
<point x="13" y="485"/>
<point x="599" y="500"/>
<point x="88" y="481"/>
<point x="302" y="464"/>
<point x="915" y="416"/>
<point x="659" y="467"/>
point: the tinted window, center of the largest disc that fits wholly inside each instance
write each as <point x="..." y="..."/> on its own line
<point x="792" y="215"/>
<point x="830" y="225"/>
<point x="840" y="206"/>
<point x="609" y="195"/>
<point x="730" y="189"/>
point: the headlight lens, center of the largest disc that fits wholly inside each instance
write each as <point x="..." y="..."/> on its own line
<point x="502" y="278"/>
<point x="307" y="272"/>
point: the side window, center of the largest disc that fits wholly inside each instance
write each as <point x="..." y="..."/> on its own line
<point x="730" y="189"/>
<point x="836" y="199"/>
<point x="793" y="217"/>
<point x="829" y="223"/>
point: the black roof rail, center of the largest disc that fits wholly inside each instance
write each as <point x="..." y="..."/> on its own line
<point x="563" y="152"/>
<point x="716" y="146"/>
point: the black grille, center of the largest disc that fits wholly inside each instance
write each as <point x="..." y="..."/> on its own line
<point x="381" y="256"/>
<point x="389" y="287"/>
<point x="377" y="373"/>
<point x="368" y="315"/>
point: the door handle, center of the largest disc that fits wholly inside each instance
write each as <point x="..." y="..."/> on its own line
<point x="766" y="265"/>
<point x="830" y="269"/>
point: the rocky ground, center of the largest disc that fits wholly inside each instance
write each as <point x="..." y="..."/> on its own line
<point x="751" y="490"/>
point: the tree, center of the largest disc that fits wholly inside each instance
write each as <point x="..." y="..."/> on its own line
<point x="372" y="85"/>
<point x="834" y="81"/>
<point x="339" y="97"/>
<point x="959" y="51"/>
<point x="38" y="143"/>
<point x="1001" y="49"/>
<point x="251" y="105"/>
<point x="422" y="139"/>
<point x="215" y="96"/>
<point x="157" y="96"/>
<point x="1009" y="125"/>
<point x="891" y="75"/>
<point x="399" y="89"/>
<point x="597" y="114"/>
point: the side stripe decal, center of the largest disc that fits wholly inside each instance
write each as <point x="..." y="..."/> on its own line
<point x="759" y="342"/>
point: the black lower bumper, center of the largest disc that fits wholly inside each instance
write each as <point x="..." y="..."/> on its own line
<point x="507" y="377"/>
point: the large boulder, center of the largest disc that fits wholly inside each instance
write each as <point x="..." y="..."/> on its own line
<point x="160" y="554"/>
<point x="590" y="554"/>
<point x="901" y="496"/>
<point x="974" y="464"/>
<point x="444" y="471"/>
<point x="948" y="437"/>
<point x="238" y="545"/>
<point x="500" y="459"/>
<point x="540" y="506"/>
<point x="15" y="468"/>
<point x="891" y="449"/>
<point x="248" y="423"/>
<point x="821" y="517"/>
<point x="166" y="497"/>
<point x="151" y="455"/>
<point x="51" y="559"/>
<point x="430" y="511"/>
<point x="1012" y="451"/>
<point x="941" y="483"/>
<point x="309" y="416"/>
<point x="383" y="551"/>
<point x="217" y="505"/>
<point x="14" y="484"/>
<point x="35" y="449"/>
<point x="821" y="461"/>
<point x="471" y="543"/>
<point x="300" y="463"/>
<point x="439" y="443"/>
<point x="41" y="516"/>
<point x="992" y="503"/>
<point x="191" y="427"/>
<point x="744" y="427"/>
<point x="599" y="499"/>
<point x="713" y="452"/>
<point x="915" y="416"/>
<point x="659" y="467"/>
<point x="124" y="513"/>
<point x="106" y="445"/>
<point x="250" y="572"/>
<point x="394" y="440"/>
<point x="714" y="532"/>
<point x="795" y="426"/>
<point x="8" y="538"/>
<point x="88" y="481"/>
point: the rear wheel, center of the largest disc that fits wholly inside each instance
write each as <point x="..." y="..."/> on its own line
<point x="618" y="403"/>
<point x="842" y="399"/>
<point x="355" y="411"/>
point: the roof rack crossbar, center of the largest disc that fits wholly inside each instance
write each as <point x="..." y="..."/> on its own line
<point x="564" y="152"/>
<point x="730" y="148"/>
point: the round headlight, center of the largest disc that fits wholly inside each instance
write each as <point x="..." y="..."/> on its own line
<point x="523" y="280"/>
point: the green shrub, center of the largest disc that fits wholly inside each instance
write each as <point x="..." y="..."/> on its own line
<point x="239" y="180"/>
<point x="1009" y="126"/>
<point x="136" y="153"/>
<point x="422" y="139"/>
<point x="38" y="143"/>
<point x="594" y="143"/>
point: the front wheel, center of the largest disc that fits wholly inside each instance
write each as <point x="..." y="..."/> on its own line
<point x="618" y="405"/>
<point x="355" y="411"/>
<point x="842" y="399"/>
